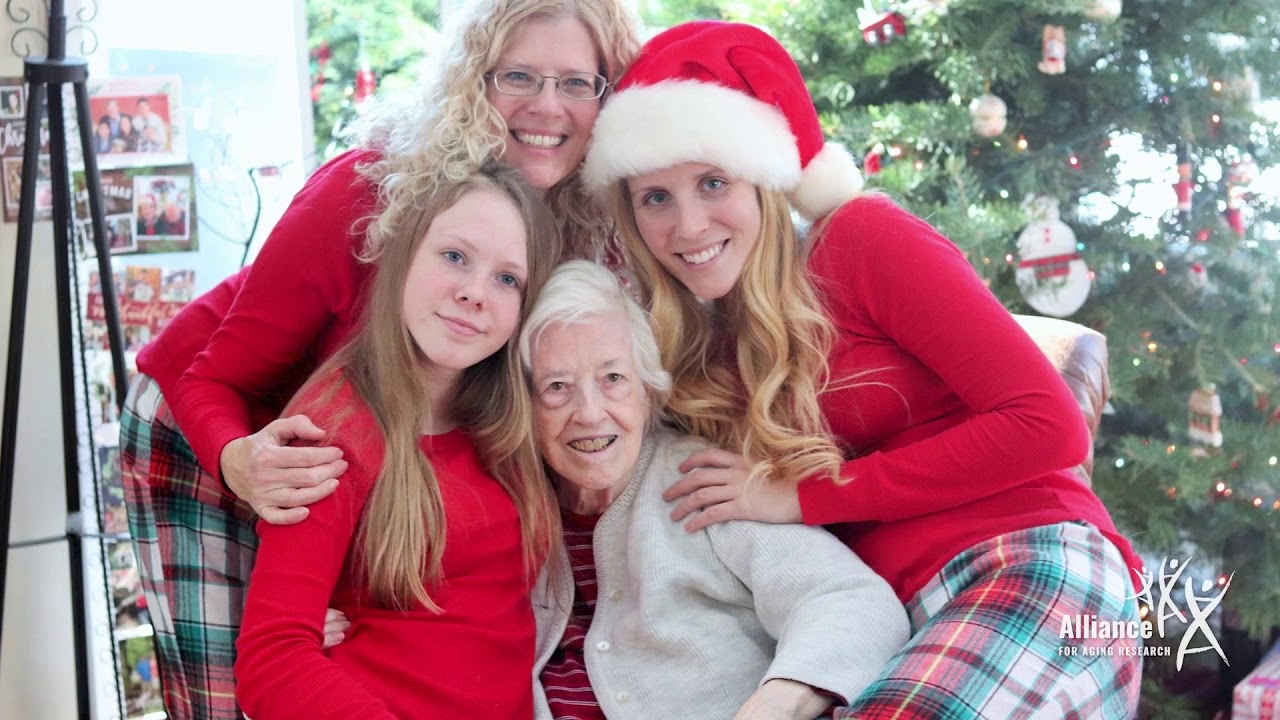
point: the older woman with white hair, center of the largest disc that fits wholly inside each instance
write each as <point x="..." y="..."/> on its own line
<point x="743" y="619"/>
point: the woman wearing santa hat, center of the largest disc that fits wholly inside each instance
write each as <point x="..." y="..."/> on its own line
<point x="862" y="378"/>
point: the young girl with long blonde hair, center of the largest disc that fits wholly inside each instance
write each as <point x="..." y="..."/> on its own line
<point x="437" y="529"/>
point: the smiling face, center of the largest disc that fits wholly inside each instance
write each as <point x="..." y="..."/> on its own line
<point x="698" y="222"/>
<point x="147" y="208"/>
<point x="463" y="289"/>
<point x="547" y="133"/>
<point x="590" y="408"/>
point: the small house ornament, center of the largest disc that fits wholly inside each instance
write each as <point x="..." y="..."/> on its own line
<point x="1053" y="56"/>
<point x="1204" y="416"/>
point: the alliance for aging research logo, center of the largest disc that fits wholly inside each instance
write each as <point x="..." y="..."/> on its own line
<point x="1159" y="593"/>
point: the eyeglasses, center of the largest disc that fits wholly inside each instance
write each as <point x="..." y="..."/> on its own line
<point x="574" y="85"/>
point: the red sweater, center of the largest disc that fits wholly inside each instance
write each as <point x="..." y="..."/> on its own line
<point x="472" y="660"/>
<point x="963" y="431"/>
<point x="275" y="321"/>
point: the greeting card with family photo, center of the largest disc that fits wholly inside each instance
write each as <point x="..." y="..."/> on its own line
<point x="137" y="120"/>
<point x="148" y="209"/>
<point x="148" y="299"/>
<point x="140" y="677"/>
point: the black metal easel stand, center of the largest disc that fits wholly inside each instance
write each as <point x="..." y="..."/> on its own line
<point x="44" y="79"/>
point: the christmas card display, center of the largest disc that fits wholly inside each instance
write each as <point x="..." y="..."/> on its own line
<point x="148" y="209"/>
<point x="13" y="132"/>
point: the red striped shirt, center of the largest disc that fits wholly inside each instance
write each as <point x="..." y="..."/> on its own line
<point x="564" y="678"/>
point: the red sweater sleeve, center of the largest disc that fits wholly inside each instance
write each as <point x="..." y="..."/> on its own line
<point x="305" y="283"/>
<point x="281" y="670"/>
<point x="902" y="283"/>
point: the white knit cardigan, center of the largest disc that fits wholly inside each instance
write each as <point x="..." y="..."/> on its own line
<point x="689" y="625"/>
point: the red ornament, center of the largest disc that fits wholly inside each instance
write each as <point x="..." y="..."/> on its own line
<point x="871" y="163"/>
<point x="366" y="84"/>
<point x="321" y="53"/>
<point x="1183" y="188"/>
<point x="884" y="29"/>
<point x="1235" y="220"/>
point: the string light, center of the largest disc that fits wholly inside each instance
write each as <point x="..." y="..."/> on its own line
<point x="1119" y="462"/>
<point x="1271" y="460"/>
<point x="1216" y="118"/>
<point x="1217" y="86"/>
<point x="1136" y="362"/>
<point x="1257" y="502"/>
<point x="1125" y="266"/>
<point x="1275" y="505"/>
<point x="1022" y="143"/>
<point x="1222" y="579"/>
<point x="1171" y="449"/>
<point x="1152" y="347"/>
<point x="1220" y="487"/>
<point x="1075" y="161"/>
<point x="1173" y="493"/>
<point x="1008" y="259"/>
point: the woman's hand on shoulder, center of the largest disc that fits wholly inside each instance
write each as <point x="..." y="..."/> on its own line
<point x="780" y="699"/>
<point x="336" y="626"/>
<point x="279" y="481"/>
<point x="717" y="483"/>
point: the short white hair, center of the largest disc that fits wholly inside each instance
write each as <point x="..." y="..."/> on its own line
<point x="578" y="291"/>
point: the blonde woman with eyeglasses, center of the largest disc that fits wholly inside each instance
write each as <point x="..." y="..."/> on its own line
<point x="204" y="447"/>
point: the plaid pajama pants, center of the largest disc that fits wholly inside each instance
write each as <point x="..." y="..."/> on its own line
<point x="986" y="636"/>
<point x="195" y="545"/>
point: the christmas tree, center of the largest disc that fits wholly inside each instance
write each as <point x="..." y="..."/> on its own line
<point x="1140" y="124"/>
<point x="356" y="46"/>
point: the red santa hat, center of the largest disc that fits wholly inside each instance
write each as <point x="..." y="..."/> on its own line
<point x="725" y="94"/>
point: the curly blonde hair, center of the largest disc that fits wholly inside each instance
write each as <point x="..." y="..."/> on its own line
<point x="448" y="128"/>
<point x="764" y="405"/>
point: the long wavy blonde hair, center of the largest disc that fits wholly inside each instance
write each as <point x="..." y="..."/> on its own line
<point x="448" y="128"/>
<point x="764" y="403"/>
<point x="402" y="529"/>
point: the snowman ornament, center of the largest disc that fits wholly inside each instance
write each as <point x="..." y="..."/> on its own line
<point x="1052" y="276"/>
